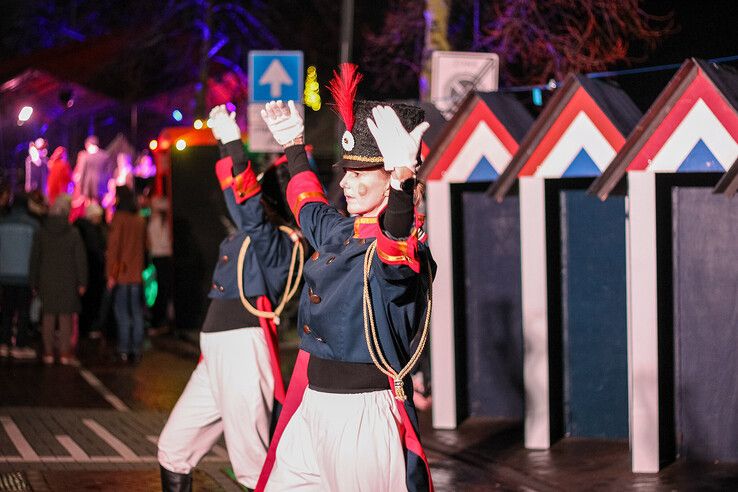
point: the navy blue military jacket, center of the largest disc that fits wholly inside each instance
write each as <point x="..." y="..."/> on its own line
<point x="268" y="256"/>
<point x="330" y="316"/>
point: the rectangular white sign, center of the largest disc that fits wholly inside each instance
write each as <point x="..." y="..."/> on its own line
<point x="455" y="73"/>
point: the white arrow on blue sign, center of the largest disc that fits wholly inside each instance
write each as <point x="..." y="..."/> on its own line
<point x="275" y="75"/>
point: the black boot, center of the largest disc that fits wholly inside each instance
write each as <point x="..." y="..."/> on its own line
<point x="175" y="482"/>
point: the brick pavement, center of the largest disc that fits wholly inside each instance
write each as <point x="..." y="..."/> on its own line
<point x="92" y="449"/>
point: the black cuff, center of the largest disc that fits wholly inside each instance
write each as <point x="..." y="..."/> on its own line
<point x="398" y="218"/>
<point x="297" y="160"/>
<point x="235" y="150"/>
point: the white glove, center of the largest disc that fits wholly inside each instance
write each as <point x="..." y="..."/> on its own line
<point x="284" y="122"/>
<point x="398" y="147"/>
<point x="223" y="125"/>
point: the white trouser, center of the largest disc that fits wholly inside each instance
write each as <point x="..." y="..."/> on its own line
<point x="341" y="442"/>
<point x="231" y="391"/>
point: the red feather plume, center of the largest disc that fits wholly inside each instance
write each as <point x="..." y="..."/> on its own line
<point x="343" y="86"/>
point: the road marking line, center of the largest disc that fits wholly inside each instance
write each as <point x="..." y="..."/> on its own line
<point x="94" y="459"/>
<point x="16" y="437"/>
<point x="119" y="459"/>
<point x="103" y="390"/>
<point x="111" y="440"/>
<point x="72" y="448"/>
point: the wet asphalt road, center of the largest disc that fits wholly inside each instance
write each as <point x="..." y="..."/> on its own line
<point x="94" y="427"/>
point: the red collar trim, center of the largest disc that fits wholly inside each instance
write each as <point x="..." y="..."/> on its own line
<point x="366" y="227"/>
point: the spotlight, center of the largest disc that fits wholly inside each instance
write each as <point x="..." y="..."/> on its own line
<point x="198" y="124"/>
<point x="25" y="114"/>
<point x="177" y="115"/>
<point x="154" y="144"/>
<point x="181" y="144"/>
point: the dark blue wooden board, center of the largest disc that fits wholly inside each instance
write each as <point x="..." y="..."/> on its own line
<point x="705" y="282"/>
<point x="594" y="315"/>
<point x="493" y="352"/>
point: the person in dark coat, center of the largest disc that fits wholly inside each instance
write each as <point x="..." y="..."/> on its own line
<point x="17" y="232"/>
<point x="92" y="230"/>
<point x="59" y="275"/>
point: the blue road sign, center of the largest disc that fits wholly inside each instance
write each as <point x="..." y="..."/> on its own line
<point x="275" y="75"/>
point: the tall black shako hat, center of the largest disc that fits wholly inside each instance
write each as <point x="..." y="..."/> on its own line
<point x="360" y="150"/>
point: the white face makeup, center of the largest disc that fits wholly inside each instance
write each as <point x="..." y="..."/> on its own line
<point x="366" y="191"/>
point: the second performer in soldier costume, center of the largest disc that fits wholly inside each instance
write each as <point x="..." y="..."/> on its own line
<point x="237" y="383"/>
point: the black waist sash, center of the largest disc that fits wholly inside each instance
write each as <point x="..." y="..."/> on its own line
<point x="335" y="376"/>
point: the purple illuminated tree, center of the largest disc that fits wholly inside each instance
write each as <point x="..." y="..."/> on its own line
<point x="542" y="39"/>
<point x="184" y="37"/>
<point x="167" y="43"/>
<point x="392" y="57"/>
<point x="536" y="39"/>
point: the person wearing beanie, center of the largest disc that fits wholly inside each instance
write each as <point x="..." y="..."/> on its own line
<point x="350" y="423"/>
<point x="59" y="276"/>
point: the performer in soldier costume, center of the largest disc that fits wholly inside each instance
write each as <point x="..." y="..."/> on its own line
<point x="237" y="380"/>
<point x="348" y="422"/>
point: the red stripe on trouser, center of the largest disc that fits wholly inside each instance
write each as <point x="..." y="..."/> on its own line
<point x="410" y="439"/>
<point x="298" y="383"/>
<point x="270" y="334"/>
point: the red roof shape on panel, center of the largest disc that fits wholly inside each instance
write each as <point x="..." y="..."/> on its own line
<point x="584" y="124"/>
<point x="692" y="126"/>
<point x="478" y="141"/>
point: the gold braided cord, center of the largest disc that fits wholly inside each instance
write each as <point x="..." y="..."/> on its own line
<point x="370" y="330"/>
<point x="293" y="281"/>
<point x="351" y="157"/>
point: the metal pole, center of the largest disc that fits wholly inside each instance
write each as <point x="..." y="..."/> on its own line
<point x="347" y="30"/>
<point x="346" y="42"/>
<point x="3" y="169"/>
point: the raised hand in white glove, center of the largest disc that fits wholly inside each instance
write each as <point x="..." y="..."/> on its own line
<point x="399" y="148"/>
<point x="284" y="122"/>
<point x="224" y="125"/>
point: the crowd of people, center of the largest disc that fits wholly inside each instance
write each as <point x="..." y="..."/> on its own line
<point x="73" y="245"/>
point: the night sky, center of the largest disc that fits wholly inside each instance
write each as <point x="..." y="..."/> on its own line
<point x="704" y="29"/>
